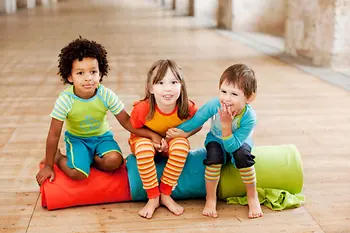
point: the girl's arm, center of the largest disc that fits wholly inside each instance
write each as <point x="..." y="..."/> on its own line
<point x="52" y="140"/>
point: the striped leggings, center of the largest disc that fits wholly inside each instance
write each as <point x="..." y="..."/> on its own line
<point x="144" y="151"/>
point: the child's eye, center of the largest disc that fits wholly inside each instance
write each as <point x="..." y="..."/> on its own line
<point x="223" y="91"/>
<point x="175" y="82"/>
<point x="93" y="72"/>
<point x="234" y="94"/>
<point x="160" y="82"/>
<point x="80" y="73"/>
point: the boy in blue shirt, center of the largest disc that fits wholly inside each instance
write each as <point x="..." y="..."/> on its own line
<point x="230" y="137"/>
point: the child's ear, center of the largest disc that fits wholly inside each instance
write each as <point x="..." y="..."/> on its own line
<point x="70" y="79"/>
<point x="150" y="89"/>
<point x="251" y="98"/>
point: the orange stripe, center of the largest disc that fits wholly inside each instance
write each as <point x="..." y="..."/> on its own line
<point x="172" y="167"/>
<point x="144" y="152"/>
<point x="171" y="173"/>
<point x="181" y="157"/>
<point x="178" y="151"/>
<point x="179" y="154"/>
<point x="182" y="147"/>
<point x="148" y="179"/>
<point x="177" y="164"/>
<point x="212" y="169"/>
<point x="171" y="176"/>
<point x="150" y="185"/>
<point x="168" y="181"/>
<point x="248" y="178"/>
<point x="212" y="172"/>
<point x="179" y="142"/>
<point x="246" y="169"/>
<point x="145" y="167"/>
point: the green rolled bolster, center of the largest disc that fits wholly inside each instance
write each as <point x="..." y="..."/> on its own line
<point x="277" y="167"/>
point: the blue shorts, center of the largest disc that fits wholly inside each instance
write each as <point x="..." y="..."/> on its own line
<point x="81" y="150"/>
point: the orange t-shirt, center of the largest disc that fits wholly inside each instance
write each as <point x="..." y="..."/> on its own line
<point x="160" y="122"/>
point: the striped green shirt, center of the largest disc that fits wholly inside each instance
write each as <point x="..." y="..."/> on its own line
<point x="86" y="117"/>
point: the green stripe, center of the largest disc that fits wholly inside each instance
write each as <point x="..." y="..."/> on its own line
<point x="72" y="154"/>
<point x="111" y="151"/>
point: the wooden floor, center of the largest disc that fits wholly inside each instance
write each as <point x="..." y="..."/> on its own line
<point x="292" y="107"/>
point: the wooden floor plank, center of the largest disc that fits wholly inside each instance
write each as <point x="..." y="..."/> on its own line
<point x="16" y="209"/>
<point x="121" y="217"/>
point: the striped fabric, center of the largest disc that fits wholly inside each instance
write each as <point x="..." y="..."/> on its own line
<point x="248" y="175"/>
<point x="111" y="100"/>
<point x="86" y="117"/>
<point x="63" y="106"/>
<point x="178" y="151"/>
<point x="67" y="99"/>
<point x="212" y="172"/>
<point x="144" y="151"/>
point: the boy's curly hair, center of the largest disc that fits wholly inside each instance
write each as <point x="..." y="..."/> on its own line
<point x="79" y="49"/>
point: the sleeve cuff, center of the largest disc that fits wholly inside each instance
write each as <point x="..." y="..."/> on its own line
<point x="227" y="137"/>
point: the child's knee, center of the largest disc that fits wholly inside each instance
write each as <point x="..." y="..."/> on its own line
<point x="111" y="161"/>
<point x="243" y="157"/>
<point x="76" y="175"/>
<point x="181" y="144"/>
<point x="215" y="154"/>
<point x="144" y="147"/>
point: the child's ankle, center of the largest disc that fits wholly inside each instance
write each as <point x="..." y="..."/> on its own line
<point x="251" y="190"/>
<point x="210" y="197"/>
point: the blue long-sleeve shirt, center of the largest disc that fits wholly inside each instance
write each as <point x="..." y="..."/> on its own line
<point x="242" y="125"/>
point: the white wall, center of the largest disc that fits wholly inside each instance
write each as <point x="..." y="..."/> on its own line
<point x="265" y="16"/>
<point x="206" y="10"/>
<point x="310" y="30"/>
<point x="8" y="6"/>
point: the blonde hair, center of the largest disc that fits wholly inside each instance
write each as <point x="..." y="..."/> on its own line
<point x="155" y="74"/>
<point x="242" y="76"/>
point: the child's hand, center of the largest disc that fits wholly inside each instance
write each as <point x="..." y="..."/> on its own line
<point x="175" y="133"/>
<point x="226" y="116"/>
<point x="164" y="146"/>
<point x="159" y="143"/>
<point x="44" y="173"/>
<point x="156" y="140"/>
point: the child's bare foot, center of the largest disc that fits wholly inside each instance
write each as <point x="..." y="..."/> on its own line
<point x="148" y="210"/>
<point x="254" y="206"/>
<point x="171" y="204"/>
<point x="210" y="208"/>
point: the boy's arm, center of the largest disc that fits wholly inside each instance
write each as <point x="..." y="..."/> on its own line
<point x="189" y="134"/>
<point x="175" y="132"/>
<point x="202" y="115"/>
<point x="124" y="119"/>
<point x="233" y="141"/>
<point x="52" y="140"/>
<point x="117" y="108"/>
